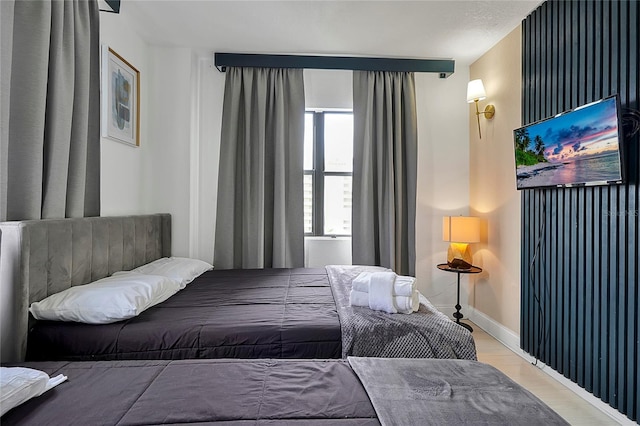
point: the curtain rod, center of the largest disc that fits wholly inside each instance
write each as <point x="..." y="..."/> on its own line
<point x="444" y="67"/>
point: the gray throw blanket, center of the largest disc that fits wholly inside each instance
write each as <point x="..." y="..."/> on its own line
<point x="444" y="391"/>
<point x="427" y="333"/>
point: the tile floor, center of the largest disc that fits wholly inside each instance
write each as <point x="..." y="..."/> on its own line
<point x="570" y="406"/>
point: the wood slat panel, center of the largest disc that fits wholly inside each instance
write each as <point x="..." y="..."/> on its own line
<point x="580" y="296"/>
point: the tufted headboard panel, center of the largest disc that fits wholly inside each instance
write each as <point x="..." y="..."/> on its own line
<point x="43" y="257"/>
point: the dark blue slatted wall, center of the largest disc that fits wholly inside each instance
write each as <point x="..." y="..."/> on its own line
<point x="580" y="294"/>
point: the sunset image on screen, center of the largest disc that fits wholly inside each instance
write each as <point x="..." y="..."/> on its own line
<point x="578" y="147"/>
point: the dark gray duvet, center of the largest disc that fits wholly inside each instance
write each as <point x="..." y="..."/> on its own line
<point x="229" y="392"/>
<point x="265" y="313"/>
<point x="281" y="392"/>
<point x="260" y="313"/>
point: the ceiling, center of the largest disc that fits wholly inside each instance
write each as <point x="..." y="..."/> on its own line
<point x="459" y="30"/>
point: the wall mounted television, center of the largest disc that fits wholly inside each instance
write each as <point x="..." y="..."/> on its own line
<point x="579" y="147"/>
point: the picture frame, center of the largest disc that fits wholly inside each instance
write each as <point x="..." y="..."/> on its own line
<point x="120" y="115"/>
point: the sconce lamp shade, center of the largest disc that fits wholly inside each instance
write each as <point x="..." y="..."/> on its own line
<point x="475" y="91"/>
<point x="461" y="229"/>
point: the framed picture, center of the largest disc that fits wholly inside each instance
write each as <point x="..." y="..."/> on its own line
<point x="120" y="99"/>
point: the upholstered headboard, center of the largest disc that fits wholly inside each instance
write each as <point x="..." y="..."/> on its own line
<point x="43" y="257"/>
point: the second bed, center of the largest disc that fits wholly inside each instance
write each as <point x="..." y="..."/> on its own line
<point x="265" y="313"/>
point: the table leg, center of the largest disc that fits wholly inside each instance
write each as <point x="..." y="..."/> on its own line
<point x="457" y="314"/>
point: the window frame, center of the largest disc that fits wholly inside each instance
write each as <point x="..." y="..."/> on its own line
<point x="318" y="173"/>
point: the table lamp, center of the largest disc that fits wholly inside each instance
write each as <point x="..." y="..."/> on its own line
<point x="460" y="231"/>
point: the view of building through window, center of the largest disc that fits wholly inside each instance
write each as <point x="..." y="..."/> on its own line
<point x="328" y="164"/>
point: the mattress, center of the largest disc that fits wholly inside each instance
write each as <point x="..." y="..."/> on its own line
<point x="281" y="392"/>
<point x="263" y="313"/>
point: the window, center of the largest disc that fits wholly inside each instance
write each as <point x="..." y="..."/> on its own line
<point x="328" y="169"/>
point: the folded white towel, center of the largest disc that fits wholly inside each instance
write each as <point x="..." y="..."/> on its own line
<point x="403" y="304"/>
<point x="359" y="298"/>
<point x="402" y="286"/>
<point x="407" y="305"/>
<point x="361" y="282"/>
<point x="404" y="295"/>
<point x="381" y="292"/>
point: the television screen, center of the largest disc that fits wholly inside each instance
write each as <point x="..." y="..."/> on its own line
<point x="576" y="148"/>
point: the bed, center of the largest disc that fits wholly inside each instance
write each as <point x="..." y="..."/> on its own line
<point x="268" y="313"/>
<point x="270" y="392"/>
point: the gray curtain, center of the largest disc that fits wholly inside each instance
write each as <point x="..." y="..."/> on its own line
<point x="384" y="170"/>
<point x="50" y="137"/>
<point x="259" y="221"/>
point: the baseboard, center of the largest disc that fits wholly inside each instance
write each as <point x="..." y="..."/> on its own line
<point x="512" y="341"/>
<point x="444" y="309"/>
<point x="498" y="331"/>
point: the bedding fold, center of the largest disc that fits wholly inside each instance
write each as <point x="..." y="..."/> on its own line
<point x="407" y="392"/>
<point x="428" y="333"/>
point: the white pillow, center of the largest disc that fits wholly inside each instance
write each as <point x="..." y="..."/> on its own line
<point x="181" y="269"/>
<point x="19" y="384"/>
<point x="108" y="300"/>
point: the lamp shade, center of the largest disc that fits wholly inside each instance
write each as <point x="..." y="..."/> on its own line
<point x="461" y="229"/>
<point x="475" y="91"/>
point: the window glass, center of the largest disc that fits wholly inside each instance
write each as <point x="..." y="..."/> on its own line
<point x="308" y="204"/>
<point x="308" y="141"/>
<point x="327" y="178"/>
<point x="338" y="142"/>
<point x="337" y="205"/>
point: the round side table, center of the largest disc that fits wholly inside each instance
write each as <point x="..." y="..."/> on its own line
<point x="472" y="270"/>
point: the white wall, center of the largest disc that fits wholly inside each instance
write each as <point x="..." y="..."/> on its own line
<point x="211" y="93"/>
<point x="167" y="167"/>
<point x="326" y="89"/>
<point x="121" y="183"/>
<point x="496" y="292"/>
<point x="156" y="176"/>
<point x="443" y="179"/>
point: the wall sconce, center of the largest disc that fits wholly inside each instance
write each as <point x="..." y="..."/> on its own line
<point x="460" y="231"/>
<point x="475" y="93"/>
